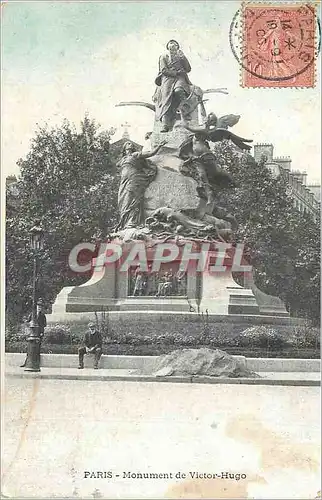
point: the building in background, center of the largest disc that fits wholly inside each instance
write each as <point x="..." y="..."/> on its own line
<point x="11" y="180"/>
<point x="306" y="198"/>
<point x="316" y="190"/>
<point x="117" y="146"/>
<point x="12" y="186"/>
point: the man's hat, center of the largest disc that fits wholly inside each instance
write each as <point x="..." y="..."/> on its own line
<point x="40" y="302"/>
<point x="91" y="324"/>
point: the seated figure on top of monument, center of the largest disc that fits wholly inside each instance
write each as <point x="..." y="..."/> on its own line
<point x="136" y="175"/>
<point x="173" y="85"/>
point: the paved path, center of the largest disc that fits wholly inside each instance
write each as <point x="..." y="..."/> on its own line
<point x="56" y="430"/>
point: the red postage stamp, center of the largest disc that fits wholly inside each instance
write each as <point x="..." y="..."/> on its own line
<point x="279" y="45"/>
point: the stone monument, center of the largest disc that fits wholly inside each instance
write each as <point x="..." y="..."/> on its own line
<point x="169" y="195"/>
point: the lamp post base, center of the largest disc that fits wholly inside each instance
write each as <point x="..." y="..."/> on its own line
<point x="33" y="351"/>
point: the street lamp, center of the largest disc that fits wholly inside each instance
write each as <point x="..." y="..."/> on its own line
<point x="33" y="352"/>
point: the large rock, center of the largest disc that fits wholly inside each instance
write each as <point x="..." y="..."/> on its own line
<point x="209" y="362"/>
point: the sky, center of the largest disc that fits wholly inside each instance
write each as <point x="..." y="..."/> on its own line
<point x="64" y="59"/>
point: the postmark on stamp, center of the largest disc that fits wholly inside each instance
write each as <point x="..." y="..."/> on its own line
<point x="278" y="44"/>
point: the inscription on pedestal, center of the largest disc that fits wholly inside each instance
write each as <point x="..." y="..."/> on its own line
<point x="170" y="189"/>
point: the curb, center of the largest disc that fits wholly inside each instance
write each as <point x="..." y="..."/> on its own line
<point x="256" y="381"/>
<point x="170" y="379"/>
<point x="58" y="361"/>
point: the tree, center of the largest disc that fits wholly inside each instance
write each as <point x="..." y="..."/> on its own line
<point x="282" y="244"/>
<point x="69" y="181"/>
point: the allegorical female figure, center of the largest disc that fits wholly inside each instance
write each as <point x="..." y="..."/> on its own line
<point x="173" y="84"/>
<point x="136" y="175"/>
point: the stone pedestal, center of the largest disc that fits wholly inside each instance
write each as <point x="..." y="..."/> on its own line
<point x="94" y="295"/>
<point x="212" y="300"/>
<point x="268" y="304"/>
<point x="170" y="188"/>
<point x="209" y="291"/>
<point x="220" y="294"/>
<point x="175" y="137"/>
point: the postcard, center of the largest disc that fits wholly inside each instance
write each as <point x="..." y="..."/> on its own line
<point x="161" y="242"/>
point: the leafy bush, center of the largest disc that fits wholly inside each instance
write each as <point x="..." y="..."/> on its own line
<point x="13" y="336"/>
<point x="223" y="337"/>
<point x="306" y="336"/>
<point x="262" y="336"/>
<point x="60" y="334"/>
<point x="16" y="333"/>
<point x="253" y="337"/>
<point x="223" y="341"/>
<point x="163" y="339"/>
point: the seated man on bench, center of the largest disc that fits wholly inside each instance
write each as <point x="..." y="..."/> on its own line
<point x="92" y="345"/>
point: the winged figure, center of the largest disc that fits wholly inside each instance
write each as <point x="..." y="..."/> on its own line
<point x="201" y="163"/>
<point x="216" y="129"/>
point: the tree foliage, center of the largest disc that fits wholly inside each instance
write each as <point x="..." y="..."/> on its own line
<point x="283" y="245"/>
<point x="68" y="181"/>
